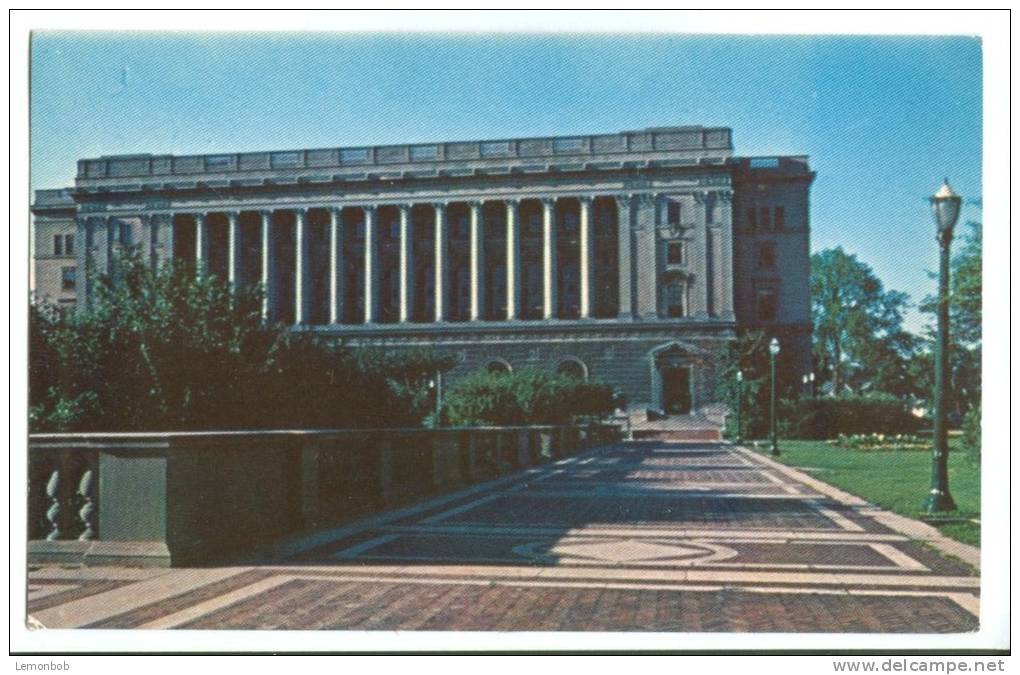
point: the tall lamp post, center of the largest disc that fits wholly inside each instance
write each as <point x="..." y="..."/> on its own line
<point x="773" y="352"/>
<point x="740" y="405"/>
<point x="946" y="207"/>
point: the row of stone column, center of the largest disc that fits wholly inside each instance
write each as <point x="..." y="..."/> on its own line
<point x="640" y="300"/>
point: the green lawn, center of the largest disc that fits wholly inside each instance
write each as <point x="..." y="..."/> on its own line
<point x="897" y="480"/>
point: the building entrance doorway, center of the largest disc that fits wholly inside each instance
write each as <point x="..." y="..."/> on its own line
<point x="676" y="390"/>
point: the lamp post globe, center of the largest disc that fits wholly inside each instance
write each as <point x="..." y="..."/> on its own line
<point x="945" y="205"/>
<point x="773" y="352"/>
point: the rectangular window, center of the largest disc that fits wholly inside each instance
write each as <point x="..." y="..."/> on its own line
<point x="752" y="218"/>
<point x="675" y="253"/>
<point x="767" y="255"/>
<point x="67" y="278"/>
<point x="58" y="244"/>
<point x="675" y="305"/>
<point x="673" y="213"/>
<point x="764" y="218"/>
<point x="766" y="304"/>
<point x="535" y="223"/>
<point x="780" y="218"/>
<point x="68" y="244"/>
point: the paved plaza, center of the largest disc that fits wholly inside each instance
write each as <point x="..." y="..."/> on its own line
<point x="640" y="536"/>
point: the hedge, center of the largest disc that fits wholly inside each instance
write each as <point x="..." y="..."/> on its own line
<point x="828" y="417"/>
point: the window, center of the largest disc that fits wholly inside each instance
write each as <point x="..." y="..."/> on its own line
<point x="676" y="299"/>
<point x="572" y="368"/>
<point x="58" y="244"/>
<point x="767" y="255"/>
<point x="124" y="233"/>
<point x="675" y="253"/>
<point x="68" y="277"/>
<point x="498" y="366"/>
<point x="780" y="218"/>
<point x="764" y="214"/>
<point x="534" y="223"/>
<point x="68" y="244"/>
<point x="673" y="213"/>
<point x="766" y="304"/>
<point x="752" y="218"/>
<point x="571" y="222"/>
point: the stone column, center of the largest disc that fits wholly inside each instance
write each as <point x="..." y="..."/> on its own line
<point x="336" y="268"/>
<point x="623" y="245"/>
<point x="269" y="265"/>
<point x="83" y="262"/>
<point x="233" y="250"/>
<point x="201" y="242"/>
<point x="725" y="220"/>
<point x="371" y="267"/>
<point x="647" y="257"/>
<point x="549" y="274"/>
<point x="112" y="225"/>
<point x="442" y="281"/>
<point x="700" y="257"/>
<point x="163" y="224"/>
<point x="150" y="228"/>
<point x="513" y="260"/>
<point x="406" y="263"/>
<point x="477" y="262"/>
<point x="586" y="257"/>
<point x="302" y="268"/>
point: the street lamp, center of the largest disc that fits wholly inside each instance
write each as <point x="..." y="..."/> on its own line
<point x="811" y="379"/>
<point x="945" y="206"/>
<point x="436" y="384"/>
<point x="740" y="405"/>
<point x="773" y="352"/>
<point x="804" y="389"/>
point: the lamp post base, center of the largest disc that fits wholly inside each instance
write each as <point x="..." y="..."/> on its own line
<point x="775" y="449"/>
<point x="938" y="502"/>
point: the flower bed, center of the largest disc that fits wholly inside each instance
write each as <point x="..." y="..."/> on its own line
<point x="880" y="442"/>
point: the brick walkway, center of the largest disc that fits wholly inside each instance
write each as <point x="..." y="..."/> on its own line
<point x="644" y="536"/>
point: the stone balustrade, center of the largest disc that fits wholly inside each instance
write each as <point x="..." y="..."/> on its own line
<point x="172" y="499"/>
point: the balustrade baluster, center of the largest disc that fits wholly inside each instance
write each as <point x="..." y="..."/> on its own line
<point x="87" y="513"/>
<point x="55" y="512"/>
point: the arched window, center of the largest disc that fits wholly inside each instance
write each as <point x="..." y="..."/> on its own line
<point x="498" y="366"/>
<point x="573" y="368"/>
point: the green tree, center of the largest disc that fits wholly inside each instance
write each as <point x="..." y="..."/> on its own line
<point x="851" y="312"/>
<point x="171" y="350"/>
<point x="964" y="326"/>
<point x="749" y="354"/>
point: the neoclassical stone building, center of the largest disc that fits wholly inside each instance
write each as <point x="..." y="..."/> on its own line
<point x="629" y="258"/>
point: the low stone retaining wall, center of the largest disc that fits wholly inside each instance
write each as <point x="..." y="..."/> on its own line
<point x="175" y="499"/>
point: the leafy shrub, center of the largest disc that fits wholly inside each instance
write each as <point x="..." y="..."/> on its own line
<point x="524" y="397"/>
<point x="168" y="350"/>
<point x="829" y="417"/>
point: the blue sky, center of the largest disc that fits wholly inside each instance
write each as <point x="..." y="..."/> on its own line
<point x="883" y="118"/>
